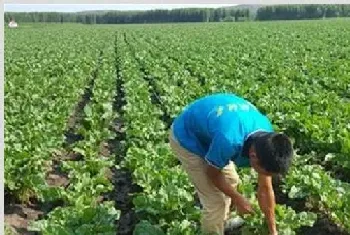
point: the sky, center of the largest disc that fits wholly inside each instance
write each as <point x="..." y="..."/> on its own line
<point x="85" y="7"/>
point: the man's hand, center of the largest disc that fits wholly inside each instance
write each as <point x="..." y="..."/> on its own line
<point x="218" y="178"/>
<point x="242" y="205"/>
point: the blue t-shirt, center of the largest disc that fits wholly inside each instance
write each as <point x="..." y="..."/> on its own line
<point x="215" y="128"/>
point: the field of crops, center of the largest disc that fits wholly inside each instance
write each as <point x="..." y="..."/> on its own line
<point x="88" y="110"/>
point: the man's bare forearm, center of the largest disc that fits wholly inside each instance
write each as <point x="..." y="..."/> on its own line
<point x="266" y="198"/>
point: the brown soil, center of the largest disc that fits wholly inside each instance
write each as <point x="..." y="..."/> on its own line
<point x="57" y="179"/>
<point x="17" y="216"/>
<point x="55" y="176"/>
<point x="104" y="149"/>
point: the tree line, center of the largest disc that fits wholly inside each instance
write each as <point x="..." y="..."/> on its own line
<point x="127" y="17"/>
<point x="273" y="12"/>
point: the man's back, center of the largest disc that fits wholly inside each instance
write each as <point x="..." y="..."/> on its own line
<point x="223" y="120"/>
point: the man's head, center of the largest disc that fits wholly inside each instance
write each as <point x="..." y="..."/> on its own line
<point x="271" y="153"/>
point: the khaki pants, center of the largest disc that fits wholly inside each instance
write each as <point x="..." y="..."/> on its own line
<point x="216" y="205"/>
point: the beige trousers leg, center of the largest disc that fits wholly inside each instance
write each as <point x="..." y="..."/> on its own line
<point x="216" y="205"/>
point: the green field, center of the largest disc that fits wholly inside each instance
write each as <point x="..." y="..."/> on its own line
<point x="88" y="109"/>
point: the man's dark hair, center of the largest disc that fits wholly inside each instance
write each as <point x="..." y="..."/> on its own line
<point x="275" y="152"/>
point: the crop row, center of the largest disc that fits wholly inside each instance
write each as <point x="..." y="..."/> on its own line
<point x="84" y="211"/>
<point x="166" y="199"/>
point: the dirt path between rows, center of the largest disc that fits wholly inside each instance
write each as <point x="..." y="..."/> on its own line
<point x="122" y="177"/>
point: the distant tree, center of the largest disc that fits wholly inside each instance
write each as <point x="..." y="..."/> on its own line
<point x="297" y="12"/>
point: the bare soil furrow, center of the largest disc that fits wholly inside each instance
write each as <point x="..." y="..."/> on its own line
<point x="122" y="177"/>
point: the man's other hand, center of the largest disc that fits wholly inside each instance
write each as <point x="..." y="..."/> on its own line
<point x="242" y="205"/>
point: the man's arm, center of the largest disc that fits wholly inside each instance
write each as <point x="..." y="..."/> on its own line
<point x="218" y="178"/>
<point x="220" y="151"/>
<point x="266" y="198"/>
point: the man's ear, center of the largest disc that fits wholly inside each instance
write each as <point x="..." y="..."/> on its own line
<point x="252" y="156"/>
<point x="252" y="153"/>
